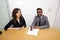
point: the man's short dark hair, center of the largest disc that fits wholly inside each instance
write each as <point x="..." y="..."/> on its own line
<point x="39" y="9"/>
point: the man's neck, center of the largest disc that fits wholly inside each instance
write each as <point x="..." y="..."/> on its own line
<point x="39" y="16"/>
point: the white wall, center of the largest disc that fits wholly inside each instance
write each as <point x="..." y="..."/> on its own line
<point x="4" y="17"/>
<point x="57" y="19"/>
<point x="29" y="7"/>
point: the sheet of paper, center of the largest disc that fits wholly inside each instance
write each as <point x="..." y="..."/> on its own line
<point x="33" y="32"/>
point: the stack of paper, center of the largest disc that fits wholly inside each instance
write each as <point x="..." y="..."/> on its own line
<point x="33" y="32"/>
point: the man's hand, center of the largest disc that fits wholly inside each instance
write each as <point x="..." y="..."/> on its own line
<point x="31" y="28"/>
<point x="37" y="27"/>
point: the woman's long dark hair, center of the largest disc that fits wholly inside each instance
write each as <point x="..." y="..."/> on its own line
<point x="15" y="10"/>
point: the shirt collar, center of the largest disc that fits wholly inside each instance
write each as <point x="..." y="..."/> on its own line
<point x="40" y="17"/>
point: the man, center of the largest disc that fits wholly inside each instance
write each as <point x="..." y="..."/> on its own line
<point x="40" y="21"/>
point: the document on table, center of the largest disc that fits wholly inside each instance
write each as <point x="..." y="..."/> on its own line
<point x="33" y="32"/>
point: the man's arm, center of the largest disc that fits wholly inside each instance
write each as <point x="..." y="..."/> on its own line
<point x="46" y="24"/>
<point x="34" y="22"/>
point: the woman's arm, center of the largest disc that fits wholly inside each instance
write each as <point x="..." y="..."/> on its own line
<point x="24" y="23"/>
<point x="8" y="25"/>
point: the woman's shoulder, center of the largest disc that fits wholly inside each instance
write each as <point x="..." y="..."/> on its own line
<point x="22" y="18"/>
<point x="11" y="20"/>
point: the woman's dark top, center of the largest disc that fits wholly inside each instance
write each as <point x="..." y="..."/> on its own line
<point x="16" y="24"/>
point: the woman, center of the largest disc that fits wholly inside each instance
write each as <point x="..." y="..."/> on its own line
<point x="17" y="21"/>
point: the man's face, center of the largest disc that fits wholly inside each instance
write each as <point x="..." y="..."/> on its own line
<point x="39" y="12"/>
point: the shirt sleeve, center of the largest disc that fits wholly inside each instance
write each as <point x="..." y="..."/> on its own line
<point x="34" y="22"/>
<point x="8" y="25"/>
<point x="24" y="23"/>
<point x="46" y="24"/>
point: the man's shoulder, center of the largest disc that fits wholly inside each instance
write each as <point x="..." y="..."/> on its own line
<point x="44" y="16"/>
<point x="36" y="16"/>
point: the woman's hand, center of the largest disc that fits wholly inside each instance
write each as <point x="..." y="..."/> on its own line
<point x="21" y="27"/>
<point x="13" y="28"/>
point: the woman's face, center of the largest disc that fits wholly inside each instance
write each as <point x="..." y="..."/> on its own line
<point x="18" y="14"/>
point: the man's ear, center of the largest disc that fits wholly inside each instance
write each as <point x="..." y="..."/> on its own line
<point x="42" y="11"/>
